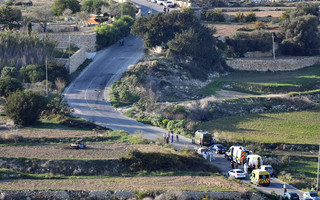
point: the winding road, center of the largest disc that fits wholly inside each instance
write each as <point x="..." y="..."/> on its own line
<point x="88" y="94"/>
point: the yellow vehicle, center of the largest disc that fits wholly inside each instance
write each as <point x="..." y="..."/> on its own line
<point x="260" y="177"/>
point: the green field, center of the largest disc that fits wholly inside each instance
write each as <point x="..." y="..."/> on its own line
<point x="292" y="128"/>
<point x="267" y="82"/>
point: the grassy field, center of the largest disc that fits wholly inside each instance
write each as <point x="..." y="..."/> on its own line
<point x="293" y="128"/>
<point x="267" y="82"/>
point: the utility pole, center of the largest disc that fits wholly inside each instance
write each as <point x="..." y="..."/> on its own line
<point x="274" y="54"/>
<point x="318" y="170"/>
<point x="121" y="8"/>
<point x="47" y="90"/>
<point x="69" y="55"/>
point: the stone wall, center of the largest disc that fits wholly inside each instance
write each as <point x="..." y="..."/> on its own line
<point x="126" y="194"/>
<point x="267" y="64"/>
<point x="75" y="60"/>
<point x="77" y="39"/>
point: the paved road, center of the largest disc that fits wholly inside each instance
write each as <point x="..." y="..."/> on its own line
<point x="275" y="184"/>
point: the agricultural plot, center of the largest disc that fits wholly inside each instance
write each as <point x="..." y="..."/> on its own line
<point x="289" y="128"/>
<point x="63" y="151"/>
<point x="190" y="183"/>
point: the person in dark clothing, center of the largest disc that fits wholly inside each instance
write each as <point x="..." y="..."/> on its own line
<point x="232" y="165"/>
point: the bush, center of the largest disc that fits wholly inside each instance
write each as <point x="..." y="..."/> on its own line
<point x="240" y="43"/>
<point x="9" y="85"/>
<point x="251" y="17"/>
<point x="61" y="5"/>
<point x="24" y="107"/>
<point x="239" y="17"/>
<point x="108" y="34"/>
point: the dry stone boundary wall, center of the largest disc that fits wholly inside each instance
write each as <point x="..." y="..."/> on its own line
<point x="75" y="60"/>
<point x="267" y="64"/>
<point x="77" y="39"/>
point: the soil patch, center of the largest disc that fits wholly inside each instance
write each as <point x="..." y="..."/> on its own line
<point x="62" y="151"/>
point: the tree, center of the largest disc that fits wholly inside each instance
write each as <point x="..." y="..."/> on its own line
<point x="10" y="16"/>
<point x="42" y="16"/>
<point x="298" y="33"/>
<point x="67" y="12"/>
<point x="128" y="9"/>
<point x="9" y="72"/>
<point x="82" y="17"/>
<point x="93" y="6"/>
<point x="60" y="5"/>
<point x="9" y="85"/>
<point x="24" y="107"/>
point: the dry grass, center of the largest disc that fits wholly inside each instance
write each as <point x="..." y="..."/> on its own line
<point x="62" y="151"/>
<point x="128" y="183"/>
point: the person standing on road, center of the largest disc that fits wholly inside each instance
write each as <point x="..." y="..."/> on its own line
<point x="232" y="164"/>
<point x="164" y="137"/>
<point x="245" y="168"/>
<point x="172" y="137"/>
<point x="284" y="188"/>
<point x="177" y="137"/>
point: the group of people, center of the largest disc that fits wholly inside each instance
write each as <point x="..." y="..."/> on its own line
<point x="208" y="155"/>
<point x="170" y="136"/>
<point x="166" y="10"/>
<point x="246" y="168"/>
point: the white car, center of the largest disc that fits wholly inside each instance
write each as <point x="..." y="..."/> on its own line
<point x="311" y="195"/>
<point x="267" y="168"/>
<point x="236" y="173"/>
<point x="160" y="2"/>
<point x="169" y="4"/>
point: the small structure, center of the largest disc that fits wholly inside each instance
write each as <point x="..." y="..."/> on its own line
<point x="91" y="20"/>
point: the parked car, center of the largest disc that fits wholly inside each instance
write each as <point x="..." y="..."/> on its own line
<point x="153" y="1"/>
<point x="312" y="195"/>
<point x="160" y="2"/>
<point x="169" y="4"/>
<point x="202" y="150"/>
<point x="218" y="148"/>
<point x="290" y="196"/>
<point x="268" y="168"/>
<point x="236" y="173"/>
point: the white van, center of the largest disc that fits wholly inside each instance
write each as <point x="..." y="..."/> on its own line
<point x="255" y="160"/>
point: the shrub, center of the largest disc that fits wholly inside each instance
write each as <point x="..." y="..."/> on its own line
<point x="259" y="25"/>
<point x="251" y="17"/>
<point x="239" y="17"/>
<point x="9" y="85"/>
<point x="24" y="107"/>
<point x="218" y="15"/>
<point x="108" y="34"/>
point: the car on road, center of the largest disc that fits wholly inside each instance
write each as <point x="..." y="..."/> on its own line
<point x="153" y="1"/>
<point x="160" y="2"/>
<point x="218" y="148"/>
<point x="268" y="168"/>
<point x="311" y="195"/>
<point x="236" y="173"/>
<point x="169" y="4"/>
<point x="290" y="196"/>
